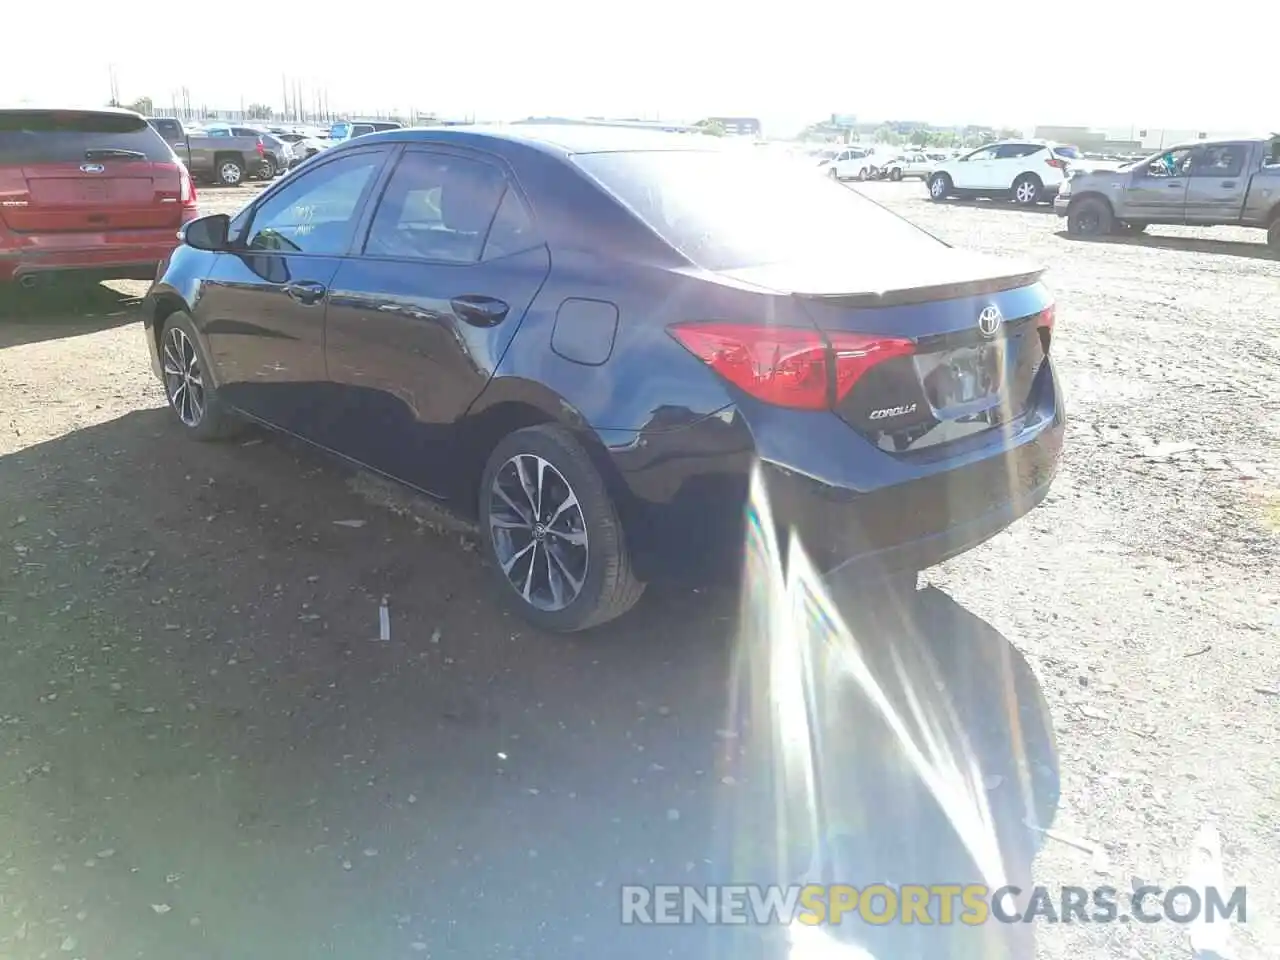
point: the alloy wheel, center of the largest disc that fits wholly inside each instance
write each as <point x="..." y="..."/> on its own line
<point x="937" y="187"/>
<point x="183" y="379"/>
<point x="230" y="174"/>
<point x="539" y="533"/>
<point x="1026" y="192"/>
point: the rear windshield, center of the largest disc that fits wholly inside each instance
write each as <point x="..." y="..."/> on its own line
<point x="40" y="136"/>
<point x="1071" y="153"/>
<point x="725" y="210"/>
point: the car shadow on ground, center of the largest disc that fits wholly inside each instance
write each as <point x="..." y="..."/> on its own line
<point x="992" y="204"/>
<point x="65" y="310"/>
<point x="1230" y="248"/>
<point x="208" y="747"/>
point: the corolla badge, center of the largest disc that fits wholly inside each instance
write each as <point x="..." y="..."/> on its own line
<point x="92" y="168"/>
<point x="989" y="320"/>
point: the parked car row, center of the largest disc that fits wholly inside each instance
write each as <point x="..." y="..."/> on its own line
<point x="1204" y="183"/>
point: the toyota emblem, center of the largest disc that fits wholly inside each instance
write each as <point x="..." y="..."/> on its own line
<point x="989" y="320"/>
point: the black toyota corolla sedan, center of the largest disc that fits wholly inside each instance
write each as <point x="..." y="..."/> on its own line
<point x="587" y="337"/>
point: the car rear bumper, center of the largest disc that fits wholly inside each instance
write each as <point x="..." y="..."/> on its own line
<point x="1060" y="205"/>
<point x="118" y="254"/>
<point x="858" y="511"/>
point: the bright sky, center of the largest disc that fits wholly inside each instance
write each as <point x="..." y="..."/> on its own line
<point x="788" y="62"/>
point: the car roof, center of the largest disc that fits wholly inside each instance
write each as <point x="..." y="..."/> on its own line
<point x="66" y="108"/>
<point x="558" y="139"/>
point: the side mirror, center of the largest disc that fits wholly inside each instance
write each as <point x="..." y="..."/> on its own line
<point x="207" y="233"/>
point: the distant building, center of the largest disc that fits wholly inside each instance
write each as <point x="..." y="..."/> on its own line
<point x="1132" y="139"/>
<point x="738" y="126"/>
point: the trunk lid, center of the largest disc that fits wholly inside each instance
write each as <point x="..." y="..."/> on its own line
<point x="72" y="171"/>
<point x="979" y="330"/>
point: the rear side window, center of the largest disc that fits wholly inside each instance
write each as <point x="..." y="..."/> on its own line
<point x="1067" y="153"/>
<point x="1012" y="151"/>
<point x="436" y="207"/>
<point x="724" y="210"/>
<point x="166" y="128"/>
<point x="54" y="136"/>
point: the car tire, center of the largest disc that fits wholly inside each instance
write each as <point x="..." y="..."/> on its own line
<point x="939" y="187"/>
<point x="228" y="171"/>
<point x="1273" y="235"/>
<point x="834" y="175"/>
<point x="571" y="586"/>
<point x="895" y="174"/>
<point x="269" y="169"/>
<point x="188" y="388"/>
<point x="1090" y="217"/>
<point x="1027" y="190"/>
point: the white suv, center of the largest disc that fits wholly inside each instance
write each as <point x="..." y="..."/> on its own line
<point x="1027" y="171"/>
<point x="850" y="163"/>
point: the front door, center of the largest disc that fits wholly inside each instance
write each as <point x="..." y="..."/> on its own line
<point x="262" y="307"/>
<point x="1158" y="189"/>
<point x="419" y="320"/>
<point x="1218" y="183"/>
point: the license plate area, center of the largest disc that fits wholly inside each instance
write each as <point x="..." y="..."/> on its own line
<point x="963" y="380"/>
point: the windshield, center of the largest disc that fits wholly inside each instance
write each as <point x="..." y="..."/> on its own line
<point x="339" y="131"/>
<point x="725" y="210"/>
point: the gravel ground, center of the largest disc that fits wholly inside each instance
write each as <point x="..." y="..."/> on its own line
<point x="201" y="750"/>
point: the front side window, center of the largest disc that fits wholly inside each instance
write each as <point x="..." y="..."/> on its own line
<point x="315" y="213"/>
<point x="1171" y="163"/>
<point x="437" y="206"/>
<point x="989" y="153"/>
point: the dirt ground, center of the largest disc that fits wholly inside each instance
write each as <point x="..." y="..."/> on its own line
<point x="202" y="754"/>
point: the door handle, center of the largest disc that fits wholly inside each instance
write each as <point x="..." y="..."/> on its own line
<point x="1174" y="186"/>
<point x="480" y="311"/>
<point x="1228" y="183"/>
<point x="306" y="292"/>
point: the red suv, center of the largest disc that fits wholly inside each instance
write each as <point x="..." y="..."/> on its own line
<point x="96" y="192"/>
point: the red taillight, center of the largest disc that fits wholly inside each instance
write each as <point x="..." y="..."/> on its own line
<point x="262" y="151"/>
<point x="1044" y="324"/>
<point x="1056" y="163"/>
<point x="856" y="353"/>
<point x="186" y="189"/>
<point x="788" y="366"/>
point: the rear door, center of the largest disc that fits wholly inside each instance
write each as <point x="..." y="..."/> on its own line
<point x="1012" y="160"/>
<point x="1217" y="182"/>
<point x="81" y="171"/>
<point x="419" y="320"/>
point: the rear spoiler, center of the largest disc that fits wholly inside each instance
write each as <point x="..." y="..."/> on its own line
<point x="913" y="295"/>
